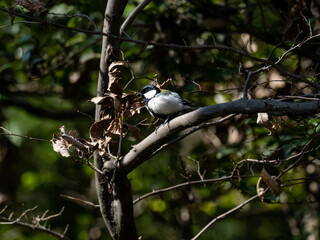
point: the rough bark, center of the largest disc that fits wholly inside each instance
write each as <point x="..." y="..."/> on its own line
<point x="115" y="202"/>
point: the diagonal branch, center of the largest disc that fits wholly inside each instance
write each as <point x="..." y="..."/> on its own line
<point x="144" y="150"/>
<point x="225" y="214"/>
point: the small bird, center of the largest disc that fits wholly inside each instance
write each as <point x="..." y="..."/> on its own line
<point x="164" y="103"/>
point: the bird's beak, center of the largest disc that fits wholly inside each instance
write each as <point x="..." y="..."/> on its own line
<point x="138" y="95"/>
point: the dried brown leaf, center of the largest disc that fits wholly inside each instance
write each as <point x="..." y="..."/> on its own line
<point x="271" y="123"/>
<point x="114" y="86"/>
<point x="115" y="74"/>
<point x="32" y="5"/>
<point x="165" y="84"/>
<point x="266" y="180"/>
<point x="114" y="127"/>
<point x="117" y="106"/>
<point x="102" y="146"/>
<point x="98" y="129"/>
<point x="272" y="182"/>
<point x="134" y="108"/>
<point x="128" y="98"/>
<point x="60" y="146"/>
<point x="105" y="100"/>
<point x="114" y="65"/>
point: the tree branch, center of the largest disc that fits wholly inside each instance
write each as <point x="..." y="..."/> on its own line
<point x="125" y="25"/>
<point x="36" y="222"/>
<point x="225" y="214"/>
<point x="144" y="150"/>
<point x="182" y="185"/>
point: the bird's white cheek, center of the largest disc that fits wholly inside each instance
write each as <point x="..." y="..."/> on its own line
<point x="150" y="94"/>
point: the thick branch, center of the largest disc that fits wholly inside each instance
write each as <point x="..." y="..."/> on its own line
<point x="144" y="150"/>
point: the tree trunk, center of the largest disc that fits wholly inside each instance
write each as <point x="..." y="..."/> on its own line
<point x="116" y="202"/>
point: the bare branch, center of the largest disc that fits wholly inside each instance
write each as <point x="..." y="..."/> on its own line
<point x="125" y="25"/>
<point x="36" y="222"/>
<point x="225" y="214"/>
<point x="300" y="155"/>
<point x="80" y="200"/>
<point x="9" y="133"/>
<point x="154" y="192"/>
<point x="43" y="218"/>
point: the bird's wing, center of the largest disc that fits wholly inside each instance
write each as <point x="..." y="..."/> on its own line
<point x="187" y="105"/>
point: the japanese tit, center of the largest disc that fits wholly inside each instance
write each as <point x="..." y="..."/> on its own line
<point x="164" y="103"/>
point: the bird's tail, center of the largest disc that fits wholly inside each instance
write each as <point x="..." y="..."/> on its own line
<point x="189" y="106"/>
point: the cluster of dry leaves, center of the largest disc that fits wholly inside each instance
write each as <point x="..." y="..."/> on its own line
<point x="117" y="108"/>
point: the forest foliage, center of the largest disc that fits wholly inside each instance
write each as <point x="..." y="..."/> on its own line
<point x="48" y="79"/>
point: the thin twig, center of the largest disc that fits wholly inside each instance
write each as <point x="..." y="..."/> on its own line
<point x="33" y="227"/>
<point x="9" y="133"/>
<point x="80" y="200"/>
<point x="189" y="183"/>
<point x="225" y="214"/>
<point x="36" y="225"/>
<point x="301" y="155"/>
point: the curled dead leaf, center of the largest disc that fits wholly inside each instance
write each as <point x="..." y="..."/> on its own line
<point x="115" y="71"/>
<point x="165" y="84"/>
<point x="117" y="106"/>
<point x="115" y="127"/>
<point x="271" y="181"/>
<point x="98" y="129"/>
<point x="115" y="87"/>
<point x="114" y="65"/>
<point x="60" y="146"/>
<point x="105" y="100"/>
<point x="134" y="107"/>
<point x="32" y="5"/>
<point x="271" y="123"/>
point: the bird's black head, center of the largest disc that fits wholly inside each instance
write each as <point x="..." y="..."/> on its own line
<point x="149" y="91"/>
